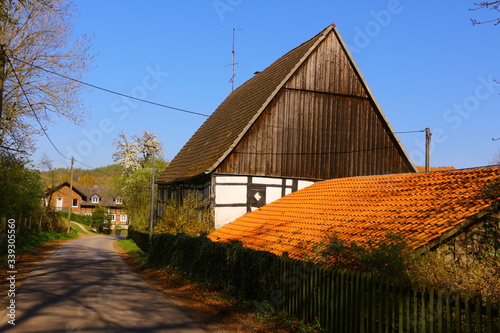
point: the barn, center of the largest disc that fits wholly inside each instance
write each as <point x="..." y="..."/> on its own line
<point x="308" y="117"/>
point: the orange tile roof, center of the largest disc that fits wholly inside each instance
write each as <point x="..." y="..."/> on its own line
<point x="422" y="168"/>
<point x="419" y="206"/>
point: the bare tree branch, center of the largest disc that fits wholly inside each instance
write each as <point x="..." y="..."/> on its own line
<point x="491" y="5"/>
<point x="38" y="33"/>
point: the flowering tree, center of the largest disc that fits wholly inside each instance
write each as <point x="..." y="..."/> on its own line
<point x="135" y="157"/>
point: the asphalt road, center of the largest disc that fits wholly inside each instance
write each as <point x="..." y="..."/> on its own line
<point x="87" y="287"/>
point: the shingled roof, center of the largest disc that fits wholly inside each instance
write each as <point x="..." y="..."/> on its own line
<point x="425" y="208"/>
<point x="229" y="123"/>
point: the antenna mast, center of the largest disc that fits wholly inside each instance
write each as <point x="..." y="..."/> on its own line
<point x="233" y="63"/>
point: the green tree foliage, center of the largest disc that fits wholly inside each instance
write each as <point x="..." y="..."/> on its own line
<point x="101" y="219"/>
<point x="192" y="216"/>
<point x="21" y="197"/>
<point x="22" y="190"/>
<point x="135" y="156"/>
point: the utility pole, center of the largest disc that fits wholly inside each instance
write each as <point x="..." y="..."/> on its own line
<point x="233" y="63"/>
<point x="428" y="135"/>
<point x="70" y="194"/>
<point x="151" y="213"/>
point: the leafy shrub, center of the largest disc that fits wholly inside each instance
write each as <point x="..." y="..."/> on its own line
<point x="192" y="216"/>
<point x="83" y="219"/>
<point x="100" y="218"/>
<point x="387" y="256"/>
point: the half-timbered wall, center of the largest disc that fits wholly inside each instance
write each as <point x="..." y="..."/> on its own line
<point x="235" y="196"/>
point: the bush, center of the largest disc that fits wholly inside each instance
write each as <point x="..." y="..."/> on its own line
<point x="83" y="219"/>
<point x="192" y="216"/>
<point x="100" y="219"/>
<point x="388" y="256"/>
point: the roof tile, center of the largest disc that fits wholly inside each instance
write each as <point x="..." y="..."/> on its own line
<point x="419" y="206"/>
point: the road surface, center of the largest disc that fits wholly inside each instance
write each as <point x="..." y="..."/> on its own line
<point x="86" y="287"/>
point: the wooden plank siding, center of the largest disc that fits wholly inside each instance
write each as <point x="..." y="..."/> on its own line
<point x="316" y="136"/>
<point x="322" y="124"/>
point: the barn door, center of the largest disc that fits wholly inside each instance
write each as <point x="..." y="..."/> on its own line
<point x="256" y="197"/>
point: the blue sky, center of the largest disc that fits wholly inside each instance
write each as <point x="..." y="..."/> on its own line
<point x="424" y="61"/>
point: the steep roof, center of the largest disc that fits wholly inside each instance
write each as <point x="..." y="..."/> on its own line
<point x="425" y="208"/>
<point x="222" y="131"/>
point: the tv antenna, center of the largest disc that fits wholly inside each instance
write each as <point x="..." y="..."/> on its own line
<point x="233" y="63"/>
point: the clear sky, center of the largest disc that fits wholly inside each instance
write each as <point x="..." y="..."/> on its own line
<point x="424" y="61"/>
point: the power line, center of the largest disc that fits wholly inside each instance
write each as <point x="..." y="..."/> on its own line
<point x="112" y="91"/>
<point x="179" y="109"/>
<point x="31" y="106"/>
<point x="38" y="119"/>
<point x="164" y="106"/>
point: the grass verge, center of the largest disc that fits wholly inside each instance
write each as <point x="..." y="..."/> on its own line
<point x="30" y="242"/>
<point x="215" y="311"/>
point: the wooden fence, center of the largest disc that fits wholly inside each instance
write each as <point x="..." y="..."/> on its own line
<point x="359" y="302"/>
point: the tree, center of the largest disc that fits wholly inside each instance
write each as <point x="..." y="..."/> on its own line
<point x="36" y="39"/>
<point x="133" y="154"/>
<point x="496" y="159"/>
<point x="87" y="180"/>
<point x="135" y="157"/>
<point x="491" y="5"/>
<point x="22" y="189"/>
<point x="100" y="219"/>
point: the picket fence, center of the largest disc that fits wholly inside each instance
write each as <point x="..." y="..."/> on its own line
<point x="360" y="302"/>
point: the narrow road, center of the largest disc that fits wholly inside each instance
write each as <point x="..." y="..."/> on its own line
<point x="86" y="287"/>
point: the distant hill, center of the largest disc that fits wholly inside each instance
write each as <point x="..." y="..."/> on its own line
<point x="103" y="176"/>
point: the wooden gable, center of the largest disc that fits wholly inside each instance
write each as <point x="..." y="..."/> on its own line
<point x="309" y="115"/>
<point x="322" y="123"/>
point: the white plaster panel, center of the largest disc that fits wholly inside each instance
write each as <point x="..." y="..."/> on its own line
<point x="289" y="182"/>
<point x="303" y="184"/>
<point x="288" y="191"/>
<point x="272" y="193"/>
<point x="267" y="181"/>
<point x="231" y="179"/>
<point x="225" y="215"/>
<point x="230" y="194"/>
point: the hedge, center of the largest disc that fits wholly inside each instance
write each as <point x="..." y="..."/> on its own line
<point x="83" y="219"/>
<point x="141" y="239"/>
<point x="228" y="267"/>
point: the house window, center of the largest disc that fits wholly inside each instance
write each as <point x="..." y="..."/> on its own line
<point x="118" y="200"/>
<point x="123" y="218"/>
<point x="88" y="214"/>
<point x="75" y="203"/>
<point x="113" y="217"/>
<point x="95" y="199"/>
